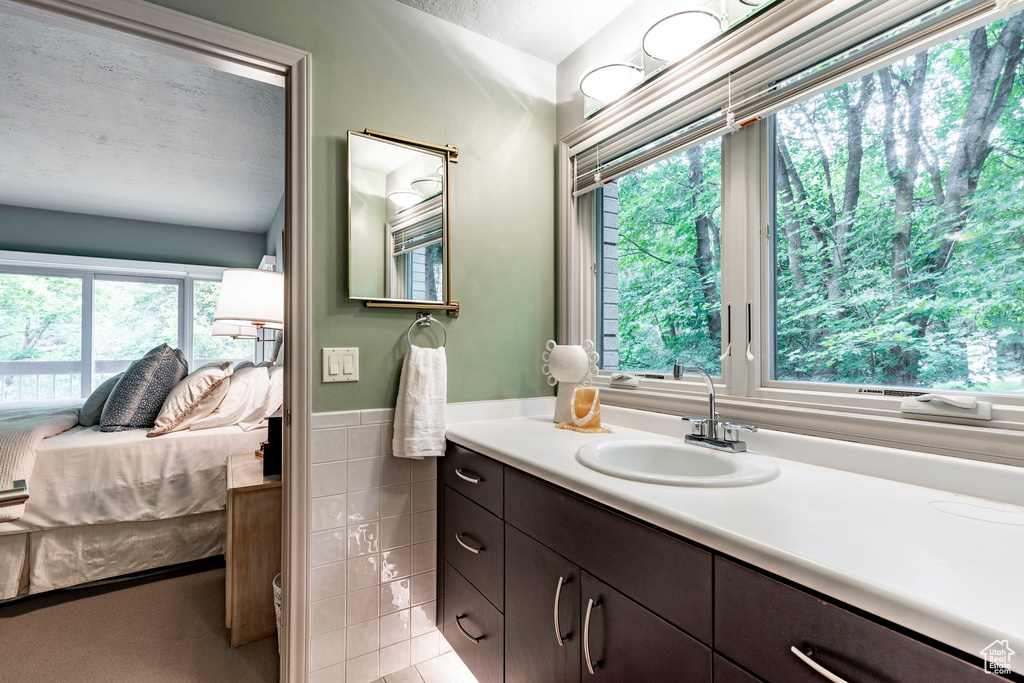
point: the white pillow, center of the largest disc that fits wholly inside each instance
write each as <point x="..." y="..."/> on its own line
<point x="244" y="403"/>
<point x="275" y="399"/>
<point x="193" y="398"/>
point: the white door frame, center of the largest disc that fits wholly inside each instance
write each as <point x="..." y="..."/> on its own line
<point x="184" y="36"/>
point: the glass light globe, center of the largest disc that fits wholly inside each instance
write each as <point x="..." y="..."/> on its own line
<point x="678" y="35"/>
<point x="608" y="82"/>
<point x="403" y="199"/>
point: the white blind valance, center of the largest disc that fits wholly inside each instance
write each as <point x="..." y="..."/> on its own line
<point x="731" y="84"/>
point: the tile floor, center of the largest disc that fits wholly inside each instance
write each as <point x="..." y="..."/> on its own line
<point x="447" y="668"/>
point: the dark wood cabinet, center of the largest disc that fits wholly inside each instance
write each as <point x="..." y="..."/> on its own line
<point x="661" y="608"/>
<point x="474" y="543"/>
<point x="542" y="613"/>
<point x="758" y="620"/>
<point x="473" y="627"/>
<point x="665" y="574"/>
<point x="727" y="672"/>
<point x="476" y="477"/>
<point x="622" y="641"/>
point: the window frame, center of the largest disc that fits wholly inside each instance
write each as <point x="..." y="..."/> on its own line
<point x="89" y="270"/>
<point x="745" y="390"/>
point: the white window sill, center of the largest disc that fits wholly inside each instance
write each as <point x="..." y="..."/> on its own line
<point x="999" y="441"/>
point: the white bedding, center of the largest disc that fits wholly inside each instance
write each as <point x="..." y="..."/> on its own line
<point x="83" y="476"/>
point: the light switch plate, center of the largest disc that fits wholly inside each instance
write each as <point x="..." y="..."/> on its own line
<point x="341" y="365"/>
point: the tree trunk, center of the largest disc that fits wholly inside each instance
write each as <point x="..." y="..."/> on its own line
<point x="704" y="227"/>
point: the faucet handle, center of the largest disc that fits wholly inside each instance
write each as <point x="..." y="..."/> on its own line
<point x="698" y="425"/>
<point x="732" y="430"/>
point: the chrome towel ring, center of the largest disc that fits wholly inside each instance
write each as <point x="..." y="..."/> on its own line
<point x="427" y="320"/>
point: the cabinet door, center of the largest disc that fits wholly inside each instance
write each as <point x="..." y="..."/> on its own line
<point x="540" y="587"/>
<point x="622" y="641"/>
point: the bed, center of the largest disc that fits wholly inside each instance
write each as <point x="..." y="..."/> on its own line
<point x="108" y="504"/>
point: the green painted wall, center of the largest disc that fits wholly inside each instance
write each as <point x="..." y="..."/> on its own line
<point x="383" y="65"/>
<point x="77" y="234"/>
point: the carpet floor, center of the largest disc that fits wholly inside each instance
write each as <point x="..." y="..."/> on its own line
<point x="167" y="628"/>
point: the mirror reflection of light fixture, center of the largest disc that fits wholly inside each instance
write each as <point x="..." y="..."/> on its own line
<point x="608" y="82"/>
<point x="403" y="199"/>
<point x="677" y="35"/>
<point x="427" y="186"/>
<point x="235" y="331"/>
<point x="754" y="3"/>
<point x="250" y="297"/>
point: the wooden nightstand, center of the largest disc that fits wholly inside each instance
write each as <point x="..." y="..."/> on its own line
<point x="253" y="552"/>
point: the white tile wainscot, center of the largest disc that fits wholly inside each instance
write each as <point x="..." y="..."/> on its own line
<point x="373" y="544"/>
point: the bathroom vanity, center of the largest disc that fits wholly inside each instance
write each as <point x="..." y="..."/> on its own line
<point x="548" y="573"/>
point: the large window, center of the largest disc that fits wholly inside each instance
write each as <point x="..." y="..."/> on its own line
<point x="659" y="232"/>
<point x="836" y="230"/>
<point x="66" y="327"/>
<point x="899" y="218"/>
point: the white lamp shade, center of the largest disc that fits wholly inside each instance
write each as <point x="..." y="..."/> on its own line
<point x="235" y="331"/>
<point x="251" y="298"/>
<point x="608" y="82"/>
<point x="678" y="35"/>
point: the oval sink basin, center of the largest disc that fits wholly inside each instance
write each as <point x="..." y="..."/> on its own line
<point x="675" y="463"/>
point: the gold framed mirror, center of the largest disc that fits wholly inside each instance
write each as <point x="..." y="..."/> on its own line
<point x="398" y="225"/>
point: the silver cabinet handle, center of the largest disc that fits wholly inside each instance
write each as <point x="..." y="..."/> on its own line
<point x="817" y="667"/>
<point x="462" y="475"/>
<point x="591" y="604"/>
<point x="458" y="622"/>
<point x="558" y="593"/>
<point x="15" y="495"/>
<point x="475" y="551"/>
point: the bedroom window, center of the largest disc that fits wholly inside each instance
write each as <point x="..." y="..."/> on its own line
<point x="205" y="347"/>
<point x="67" y="324"/>
<point x="40" y="337"/>
<point x="131" y="316"/>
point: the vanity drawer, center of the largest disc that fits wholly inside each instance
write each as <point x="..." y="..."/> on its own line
<point x="668" y="576"/>
<point x="475" y="476"/>
<point x="468" y="527"/>
<point x="474" y="628"/>
<point x="758" y="620"/>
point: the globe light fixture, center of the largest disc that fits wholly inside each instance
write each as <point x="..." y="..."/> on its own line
<point x="403" y="199"/>
<point x="678" y="35"/>
<point x="427" y="186"/>
<point x="608" y="82"/>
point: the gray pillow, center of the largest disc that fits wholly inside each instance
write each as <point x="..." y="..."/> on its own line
<point x="244" y="364"/>
<point x="139" y="395"/>
<point x="93" y="408"/>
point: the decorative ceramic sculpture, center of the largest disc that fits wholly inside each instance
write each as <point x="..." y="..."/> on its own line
<point x="568" y="367"/>
<point x="585" y="414"/>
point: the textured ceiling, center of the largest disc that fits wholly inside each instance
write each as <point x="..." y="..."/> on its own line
<point x="548" y="29"/>
<point x="93" y="126"/>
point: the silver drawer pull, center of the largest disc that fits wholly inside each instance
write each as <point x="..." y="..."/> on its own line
<point x="466" y="477"/>
<point x="475" y="551"/>
<point x="558" y="593"/>
<point x="591" y="604"/>
<point x="15" y="495"/>
<point x="817" y="667"/>
<point x="458" y="622"/>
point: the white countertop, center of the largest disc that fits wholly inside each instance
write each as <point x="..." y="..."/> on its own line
<point x="873" y="542"/>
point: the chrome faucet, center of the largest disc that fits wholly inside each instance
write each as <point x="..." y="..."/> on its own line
<point x="705" y="430"/>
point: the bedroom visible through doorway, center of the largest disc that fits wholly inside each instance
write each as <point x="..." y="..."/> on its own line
<point x="130" y="182"/>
